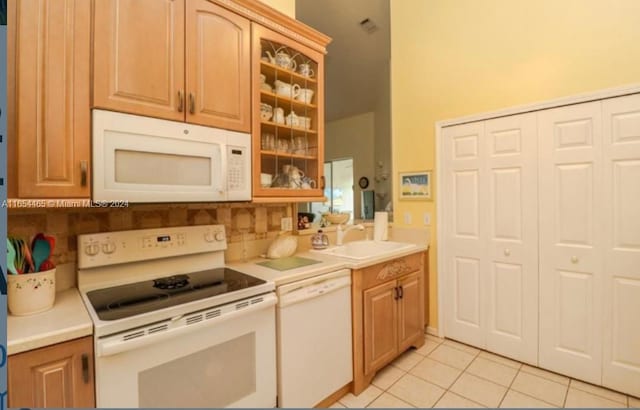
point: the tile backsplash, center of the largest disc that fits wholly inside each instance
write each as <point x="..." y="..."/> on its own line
<point x="249" y="227"/>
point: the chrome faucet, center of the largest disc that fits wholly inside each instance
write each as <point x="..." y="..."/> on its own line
<point x="340" y="233"/>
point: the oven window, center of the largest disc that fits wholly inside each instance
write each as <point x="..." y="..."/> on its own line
<point x="215" y="377"/>
<point x="137" y="167"/>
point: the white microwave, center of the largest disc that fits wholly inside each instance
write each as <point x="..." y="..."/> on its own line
<point x="141" y="159"/>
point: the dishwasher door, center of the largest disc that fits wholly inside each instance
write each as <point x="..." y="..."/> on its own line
<point x="314" y="339"/>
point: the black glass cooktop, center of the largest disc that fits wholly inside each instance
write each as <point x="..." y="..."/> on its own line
<point x="141" y="297"/>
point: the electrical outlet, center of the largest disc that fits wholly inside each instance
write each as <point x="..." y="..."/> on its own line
<point x="427" y="218"/>
<point x="286" y="223"/>
<point x="407" y="218"/>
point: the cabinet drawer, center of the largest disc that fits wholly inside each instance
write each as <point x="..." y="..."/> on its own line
<point x="382" y="272"/>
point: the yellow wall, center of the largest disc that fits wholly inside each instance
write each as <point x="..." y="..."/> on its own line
<point x="287" y="7"/>
<point x="451" y="58"/>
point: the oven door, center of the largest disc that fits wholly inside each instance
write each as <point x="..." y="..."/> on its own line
<point x="141" y="159"/>
<point x="219" y="357"/>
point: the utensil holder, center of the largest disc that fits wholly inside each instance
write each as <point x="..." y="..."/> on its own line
<point x="31" y="293"/>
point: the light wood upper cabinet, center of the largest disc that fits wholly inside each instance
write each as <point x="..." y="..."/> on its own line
<point x="50" y="80"/>
<point x="58" y="376"/>
<point x="388" y="308"/>
<point x="139" y="57"/>
<point x="288" y="118"/>
<point x="218" y="67"/>
<point x="182" y="60"/>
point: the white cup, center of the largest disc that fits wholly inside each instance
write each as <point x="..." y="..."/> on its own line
<point x="265" y="180"/>
<point x="305" y="95"/>
<point x="304" y="122"/>
<point x="306" y="70"/>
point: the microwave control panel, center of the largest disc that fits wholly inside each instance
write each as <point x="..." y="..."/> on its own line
<point x="237" y="159"/>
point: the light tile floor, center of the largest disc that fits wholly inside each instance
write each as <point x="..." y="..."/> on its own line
<point x="448" y="374"/>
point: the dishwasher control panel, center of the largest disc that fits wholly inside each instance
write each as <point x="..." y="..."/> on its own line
<point x="313" y="287"/>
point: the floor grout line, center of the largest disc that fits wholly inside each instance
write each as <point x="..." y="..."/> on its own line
<point x="519" y="370"/>
<point x="571" y="379"/>
<point x="457" y="378"/>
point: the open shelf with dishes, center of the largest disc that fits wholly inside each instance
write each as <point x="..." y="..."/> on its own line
<point x="288" y="119"/>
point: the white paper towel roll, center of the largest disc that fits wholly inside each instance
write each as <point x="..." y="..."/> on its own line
<point x="380" y="226"/>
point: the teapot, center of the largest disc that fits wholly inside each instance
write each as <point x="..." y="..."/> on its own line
<point x="282" y="59"/>
<point x="295" y="175"/>
<point x="319" y="240"/>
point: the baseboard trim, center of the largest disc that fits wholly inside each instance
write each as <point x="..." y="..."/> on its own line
<point x="433" y="331"/>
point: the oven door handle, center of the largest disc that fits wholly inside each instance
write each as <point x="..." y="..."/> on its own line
<point x="114" y="345"/>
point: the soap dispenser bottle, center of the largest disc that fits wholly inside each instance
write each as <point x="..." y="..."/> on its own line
<point x="319" y="240"/>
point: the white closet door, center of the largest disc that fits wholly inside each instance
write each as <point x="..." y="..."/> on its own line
<point x="465" y="242"/>
<point x="621" y="230"/>
<point x="570" y="204"/>
<point x="512" y="236"/>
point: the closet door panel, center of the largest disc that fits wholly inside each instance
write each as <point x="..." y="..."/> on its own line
<point x="465" y="261"/>
<point x="512" y="236"/>
<point x="570" y="167"/>
<point x="621" y="136"/>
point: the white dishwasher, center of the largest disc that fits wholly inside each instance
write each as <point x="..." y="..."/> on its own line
<point x="314" y="338"/>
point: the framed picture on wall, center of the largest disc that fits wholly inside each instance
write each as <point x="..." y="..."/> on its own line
<point x="415" y="185"/>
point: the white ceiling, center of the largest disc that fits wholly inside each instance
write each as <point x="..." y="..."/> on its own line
<point x="354" y="56"/>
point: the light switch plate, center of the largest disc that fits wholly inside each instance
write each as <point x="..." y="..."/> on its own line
<point x="286" y="223"/>
<point x="427" y="218"/>
<point x="407" y="218"/>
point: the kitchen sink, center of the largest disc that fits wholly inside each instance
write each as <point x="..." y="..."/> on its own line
<point x="359" y="250"/>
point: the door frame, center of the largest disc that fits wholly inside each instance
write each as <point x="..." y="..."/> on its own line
<point x="519" y="109"/>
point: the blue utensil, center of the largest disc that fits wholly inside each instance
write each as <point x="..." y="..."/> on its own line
<point x="41" y="251"/>
<point x="11" y="258"/>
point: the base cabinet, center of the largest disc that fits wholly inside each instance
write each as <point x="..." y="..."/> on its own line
<point x="57" y="376"/>
<point x="388" y="310"/>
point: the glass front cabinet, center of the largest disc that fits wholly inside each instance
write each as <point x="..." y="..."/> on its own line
<point x="288" y="118"/>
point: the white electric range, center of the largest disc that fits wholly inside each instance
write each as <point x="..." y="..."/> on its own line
<point x="173" y="327"/>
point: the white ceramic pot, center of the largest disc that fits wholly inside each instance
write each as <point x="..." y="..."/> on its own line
<point x="305" y="95"/>
<point x="278" y="115"/>
<point x="31" y="293"/>
<point x="286" y="89"/>
<point x="292" y="120"/>
<point x="306" y="70"/>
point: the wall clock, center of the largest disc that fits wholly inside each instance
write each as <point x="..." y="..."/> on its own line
<point x="363" y="182"/>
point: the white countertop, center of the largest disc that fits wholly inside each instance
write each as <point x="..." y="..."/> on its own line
<point x="67" y="320"/>
<point x="327" y="264"/>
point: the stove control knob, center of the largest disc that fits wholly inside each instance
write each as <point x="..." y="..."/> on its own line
<point x="92" y="249"/>
<point x="219" y="236"/>
<point x="209" y="237"/>
<point x="108" y="247"/>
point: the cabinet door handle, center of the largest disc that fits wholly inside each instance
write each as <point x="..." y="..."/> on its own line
<point x="401" y="291"/>
<point x="324" y="183"/>
<point x="180" y="101"/>
<point x="192" y="103"/>
<point x="397" y="293"/>
<point x="85" y="368"/>
<point x="83" y="173"/>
